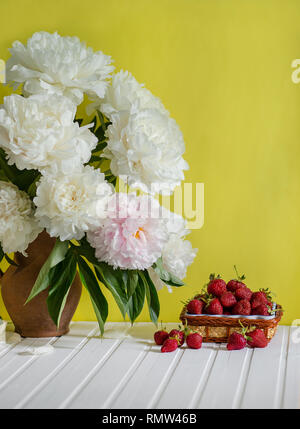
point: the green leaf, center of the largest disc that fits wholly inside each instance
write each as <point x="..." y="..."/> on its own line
<point x="100" y="146"/>
<point x="136" y="302"/>
<point x="10" y="171"/>
<point x="98" y="299"/>
<point x="26" y="178"/>
<point x="56" y="256"/>
<point x="93" y="128"/>
<point x="61" y="278"/>
<point x="10" y="261"/>
<point x="86" y="250"/>
<point x="152" y="296"/>
<point x="132" y="282"/>
<point x="114" y="282"/>
<point x="79" y="120"/>
<point x="165" y="276"/>
<point x="1" y="253"/>
<point x="94" y="158"/>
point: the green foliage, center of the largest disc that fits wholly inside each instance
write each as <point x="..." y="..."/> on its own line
<point x="114" y="282"/>
<point x="43" y="280"/>
<point x="22" y="179"/>
<point x="61" y="277"/>
<point x="136" y="301"/>
<point x="152" y="296"/>
<point x="1" y="253"/>
<point x="98" y="299"/>
<point x="165" y="276"/>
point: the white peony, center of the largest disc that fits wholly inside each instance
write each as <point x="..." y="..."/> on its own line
<point x="126" y="93"/>
<point x="147" y="147"/>
<point x="18" y="227"/>
<point x="39" y="132"/>
<point x="58" y="65"/>
<point x="177" y="253"/>
<point x="69" y="205"/>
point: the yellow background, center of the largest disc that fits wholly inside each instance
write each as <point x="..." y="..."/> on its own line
<point x="223" y="69"/>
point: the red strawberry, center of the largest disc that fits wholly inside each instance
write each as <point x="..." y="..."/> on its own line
<point x="259" y="298"/>
<point x="169" y="345"/>
<point x="261" y="310"/>
<point x="236" y="341"/>
<point x="258" y="339"/>
<point x="176" y="333"/>
<point x="160" y="337"/>
<point x="242" y="307"/>
<point x="228" y="299"/>
<point x="216" y="286"/>
<point x="234" y="284"/>
<point x="214" y="307"/>
<point x="195" y="306"/>
<point x="194" y="340"/>
<point x="243" y="293"/>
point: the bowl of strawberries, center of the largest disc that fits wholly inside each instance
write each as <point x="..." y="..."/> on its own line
<point x="223" y="308"/>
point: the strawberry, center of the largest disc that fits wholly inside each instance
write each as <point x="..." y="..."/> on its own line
<point x="236" y="341"/>
<point x="216" y="285"/>
<point x="261" y="310"/>
<point x="234" y="284"/>
<point x="160" y="337"/>
<point x="227" y="313"/>
<point x="195" y="306"/>
<point x="194" y="340"/>
<point x="227" y="299"/>
<point x="242" y="307"/>
<point x="243" y="293"/>
<point x="169" y="345"/>
<point x="214" y="307"/>
<point x="178" y="334"/>
<point x="257" y="339"/>
<point x="263" y="296"/>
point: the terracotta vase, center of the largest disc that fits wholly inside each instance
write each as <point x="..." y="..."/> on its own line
<point x="33" y="319"/>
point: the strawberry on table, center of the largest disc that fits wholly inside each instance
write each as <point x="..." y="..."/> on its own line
<point x="216" y="285"/>
<point x="238" y="341"/>
<point x="169" y="345"/>
<point x="194" y="340"/>
<point x="257" y="339"/>
<point x="234" y="284"/>
<point x="160" y="337"/>
<point x="179" y="335"/>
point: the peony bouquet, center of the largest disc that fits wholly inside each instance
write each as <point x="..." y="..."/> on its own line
<point x="62" y="175"/>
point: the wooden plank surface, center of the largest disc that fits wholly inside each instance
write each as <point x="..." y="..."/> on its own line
<point x="125" y="369"/>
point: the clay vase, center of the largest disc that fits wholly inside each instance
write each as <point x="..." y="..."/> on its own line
<point x="33" y="319"/>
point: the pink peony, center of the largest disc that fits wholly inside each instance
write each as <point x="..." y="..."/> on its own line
<point x="130" y="238"/>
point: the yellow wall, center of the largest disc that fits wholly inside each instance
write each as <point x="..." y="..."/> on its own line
<point x="223" y="69"/>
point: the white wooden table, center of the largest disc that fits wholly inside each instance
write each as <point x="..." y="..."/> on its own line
<point x="126" y="370"/>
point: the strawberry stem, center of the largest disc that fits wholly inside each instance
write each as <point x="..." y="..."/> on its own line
<point x="239" y="278"/>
